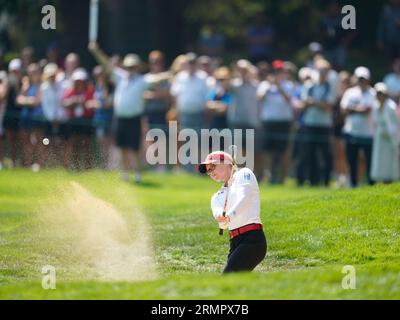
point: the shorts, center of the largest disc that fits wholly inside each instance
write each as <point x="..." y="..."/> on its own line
<point x="28" y="123"/>
<point x="193" y="121"/>
<point x="56" y="130"/>
<point x="128" y="133"/>
<point x="79" y="126"/>
<point x="244" y="127"/>
<point x="157" y="119"/>
<point x="276" y="135"/>
<point x="11" y="118"/>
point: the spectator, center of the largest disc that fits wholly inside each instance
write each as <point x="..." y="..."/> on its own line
<point x="12" y="114"/>
<point x="260" y="39"/>
<point x="130" y="86"/>
<point x="71" y="64"/>
<point x="276" y="95"/>
<point x="344" y="83"/>
<point x="389" y="28"/>
<point x="336" y="40"/>
<point x="385" y="152"/>
<point x="27" y="58"/>
<point x="318" y="102"/>
<point x="103" y="113"/>
<point x="220" y="99"/>
<point x="357" y="103"/>
<point x="315" y="50"/>
<point x="54" y="112"/>
<point x="157" y="97"/>
<point x="206" y="64"/>
<point x="392" y="81"/>
<point x="3" y="102"/>
<point x="244" y="112"/>
<point x="32" y="119"/>
<point x="80" y="128"/>
<point x="190" y="91"/>
<point x="211" y="42"/>
<point x="306" y="77"/>
<point x="53" y="55"/>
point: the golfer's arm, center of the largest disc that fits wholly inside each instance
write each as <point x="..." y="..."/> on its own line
<point x="101" y="58"/>
<point x="241" y="201"/>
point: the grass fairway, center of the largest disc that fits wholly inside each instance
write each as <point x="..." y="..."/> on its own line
<point x="159" y="241"/>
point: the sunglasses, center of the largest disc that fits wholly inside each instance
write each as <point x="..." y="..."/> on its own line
<point x="210" y="168"/>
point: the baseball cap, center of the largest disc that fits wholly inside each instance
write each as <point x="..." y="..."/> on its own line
<point x="362" y="72"/>
<point x="243" y="64"/>
<point x="381" y="87"/>
<point x="191" y="57"/>
<point x="15" y="65"/>
<point x="131" y="60"/>
<point x="278" y="64"/>
<point x="3" y="75"/>
<point x="216" y="157"/>
<point x="315" y="47"/>
<point x="50" y="69"/>
<point x="79" y="74"/>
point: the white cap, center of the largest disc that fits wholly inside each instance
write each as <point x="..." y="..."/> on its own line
<point x="362" y="72"/>
<point x="381" y="87"/>
<point x="50" y="69"/>
<point x="305" y="73"/>
<point x="79" y="74"/>
<point x="15" y="65"/>
<point x="243" y="64"/>
<point x="131" y="60"/>
<point x="315" y="47"/>
<point x="3" y="75"/>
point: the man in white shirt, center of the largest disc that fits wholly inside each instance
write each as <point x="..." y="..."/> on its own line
<point x="190" y="91"/>
<point x="276" y="96"/>
<point x="130" y="86"/>
<point x="357" y="103"/>
<point x="236" y="206"/>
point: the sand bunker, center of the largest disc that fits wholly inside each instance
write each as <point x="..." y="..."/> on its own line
<point x="101" y="239"/>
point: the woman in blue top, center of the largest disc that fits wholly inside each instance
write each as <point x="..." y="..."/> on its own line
<point x="102" y="103"/>
<point x="31" y="119"/>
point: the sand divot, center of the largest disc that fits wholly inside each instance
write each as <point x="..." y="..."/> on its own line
<point x="103" y="240"/>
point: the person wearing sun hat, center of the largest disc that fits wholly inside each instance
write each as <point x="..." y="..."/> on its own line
<point x="385" y="166"/>
<point x="356" y="104"/>
<point x="236" y="207"/>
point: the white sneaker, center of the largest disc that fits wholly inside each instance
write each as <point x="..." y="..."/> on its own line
<point x="341" y="181"/>
<point x="35" y="167"/>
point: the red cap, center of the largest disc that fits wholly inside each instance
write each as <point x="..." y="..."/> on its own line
<point x="278" y="64"/>
<point x="216" y="157"/>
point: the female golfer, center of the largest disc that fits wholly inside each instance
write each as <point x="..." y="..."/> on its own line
<point x="236" y="206"/>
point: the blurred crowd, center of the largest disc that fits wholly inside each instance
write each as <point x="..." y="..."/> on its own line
<point x="318" y="122"/>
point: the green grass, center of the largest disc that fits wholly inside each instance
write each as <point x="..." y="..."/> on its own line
<point x="312" y="233"/>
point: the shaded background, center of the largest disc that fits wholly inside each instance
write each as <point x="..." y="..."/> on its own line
<point x="173" y="26"/>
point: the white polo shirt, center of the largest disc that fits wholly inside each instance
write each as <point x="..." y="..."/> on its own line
<point x="128" y="96"/>
<point x="243" y="205"/>
<point x="274" y="105"/>
<point x="358" y="125"/>
<point x="190" y="91"/>
<point x="51" y="101"/>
